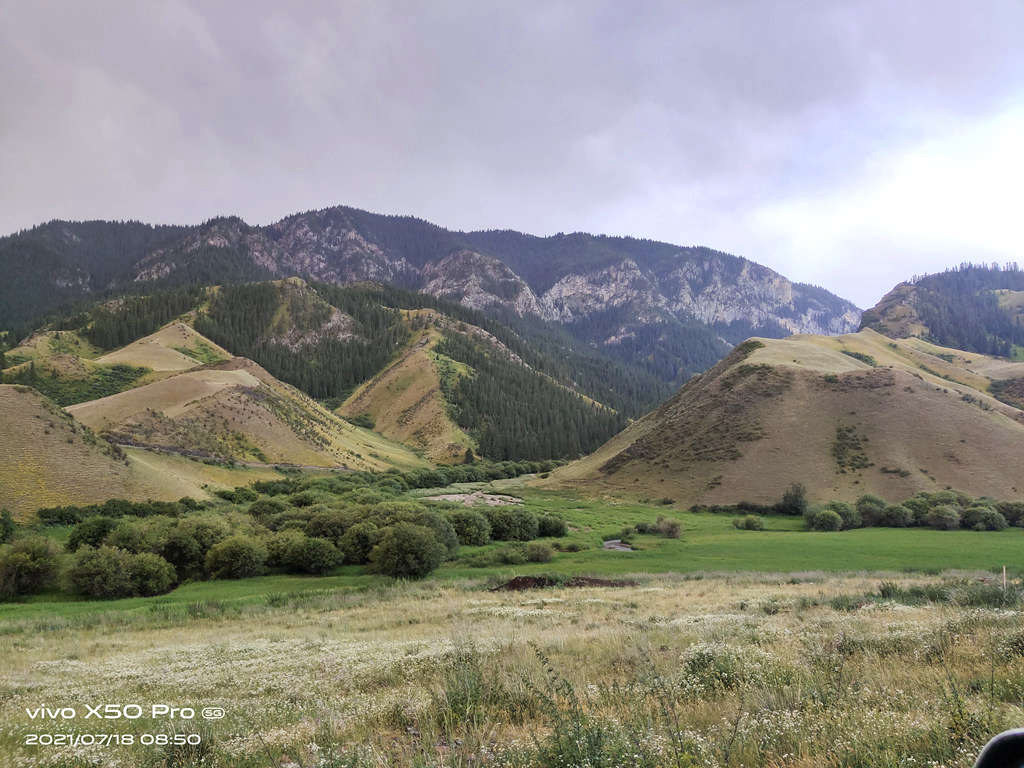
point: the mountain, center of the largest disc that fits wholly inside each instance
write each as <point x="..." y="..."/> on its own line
<point x="973" y="307"/>
<point x="844" y="415"/>
<point x="213" y="381"/>
<point x="235" y="410"/>
<point x="674" y="310"/>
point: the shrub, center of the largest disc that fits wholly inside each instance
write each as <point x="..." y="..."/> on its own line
<point x="315" y="555"/>
<point x="267" y="508"/>
<point x="944" y="517"/>
<point x="897" y="516"/>
<point x="236" y="557"/>
<point x="6" y="526"/>
<point x="871" y="508"/>
<point x="280" y="546"/>
<point x="186" y="544"/>
<point x="238" y="495"/>
<point x="150" y="574"/>
<point x="512" y="524"/>
<point x="513" y="554"/>
<point x="357" y="542"/>
<point x="669" y="527"/>
<point x="794" y="500"/>
<point x="303" y="499"/>
<point x="329" y="524"/>
<point x="1012" y="511"/>
<point x="849" y="514"/>
<point x="919" y="507"/>
<point x="134" y="536"/>
<point x="539" y="552"/>
<point x="406" y="551"/>
<point x="990" y="520"/>
<point x="442" y="528"/>
<point x="27" y="566"/>
<point x="549" y="525"/>
<point x="748" y="523"/>
<point x="825" y="520"/>
<point x="102" y="572"/>
<point x="90" y="532"/>
<point x="471" y="527"/>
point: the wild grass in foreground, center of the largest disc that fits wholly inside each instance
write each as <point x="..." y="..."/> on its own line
<point x="743" y="670"/>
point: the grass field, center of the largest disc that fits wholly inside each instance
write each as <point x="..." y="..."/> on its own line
<point x="741" y="670"/>
<point x="709" y="544"/>
<point x="727" y="648"/>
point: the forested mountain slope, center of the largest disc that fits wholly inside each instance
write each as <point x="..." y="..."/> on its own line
<point x="482" y="388"/>
<point x="671" y="308"/>
<point x="973" y="307"/>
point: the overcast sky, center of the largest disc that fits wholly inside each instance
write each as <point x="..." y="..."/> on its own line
<point x="849" y="144"/>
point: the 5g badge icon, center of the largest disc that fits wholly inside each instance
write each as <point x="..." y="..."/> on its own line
<point x="212" y="713"/>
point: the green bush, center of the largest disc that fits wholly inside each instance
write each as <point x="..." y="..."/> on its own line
<point x="264" y="509"/>
<point x="440" y="525"/>
<point x="150" y="574"/>
<point x="919" y="507"/>
<point x="329" y="524"/>
<point x="315" y="555"/>
<point x="539" y="552"/>
<point x="896" y="516"/>
<point x="990" y="520"/>
<point x="513" y="554"/>
<point x="407" y="551"/>
<point x="470" y="526"/>
<point x="102" y="572"/>
<point x="512" y="524"/>
<point x="186" y="544"/>
<point x="826" y="520"/>
<point x="851" y="517"/>
<point x="794" y="500"/>
<point x="551" y="526"/>
<point x="90" y="532"/>
<point x="137" y="535"/>
<point x="748" y="523"/>
<point x="236" y="557"/>
<point x="27" y="566"/>
<point x="280" y="546"/>
<point x="1012" y="511"/>
<point x="944" y="517"/>
<point x="7" y="526"/>
<point x="238" y="495"/>
<point x="871" y="509"/>
<point x="357" y="542"/>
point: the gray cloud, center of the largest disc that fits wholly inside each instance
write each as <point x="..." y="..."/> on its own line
<point x="761" y="128"/>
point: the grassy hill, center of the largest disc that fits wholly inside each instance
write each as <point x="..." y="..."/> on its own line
<point x="844" y="415"/>
<point x="47" y="458"/>
<point x="405" y="402"/>
<point x="236" y="410"/>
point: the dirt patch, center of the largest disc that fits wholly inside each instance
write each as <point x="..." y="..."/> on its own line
<point x="521" y="583"/>
<point x="477" y="499"/>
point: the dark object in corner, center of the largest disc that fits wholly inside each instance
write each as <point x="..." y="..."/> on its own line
<point x="1004" y="751"/>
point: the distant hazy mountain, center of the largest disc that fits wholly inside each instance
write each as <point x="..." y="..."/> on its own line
<point x="674" y="309"/>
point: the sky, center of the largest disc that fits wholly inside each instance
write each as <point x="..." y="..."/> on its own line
<point x="847" y="144"/>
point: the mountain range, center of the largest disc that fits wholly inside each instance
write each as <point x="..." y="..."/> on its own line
<point x="674" y="309"/>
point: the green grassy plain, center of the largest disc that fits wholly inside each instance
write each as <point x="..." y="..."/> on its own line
<point x="709" y="544"/>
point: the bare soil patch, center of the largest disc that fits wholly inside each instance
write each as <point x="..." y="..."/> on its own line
<point x="521" y="583"/>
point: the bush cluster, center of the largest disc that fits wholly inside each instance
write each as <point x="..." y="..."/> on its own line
<point x="296" y="525"/>
<point x="942" y="510"/>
